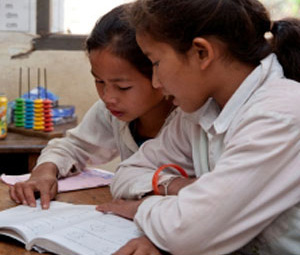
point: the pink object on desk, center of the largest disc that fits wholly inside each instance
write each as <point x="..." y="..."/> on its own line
<point x="88" y="178"/>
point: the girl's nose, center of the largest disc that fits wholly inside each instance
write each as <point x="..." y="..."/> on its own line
<point x="108" y="96"/>
<point x="155" y="80"/>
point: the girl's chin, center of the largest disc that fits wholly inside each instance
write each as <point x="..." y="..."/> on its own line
<point x="125" y="118"/>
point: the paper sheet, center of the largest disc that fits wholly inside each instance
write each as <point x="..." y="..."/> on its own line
<point x="88" y="178"/>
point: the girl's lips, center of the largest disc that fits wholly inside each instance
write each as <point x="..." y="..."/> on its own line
<point x="116" y="113"/>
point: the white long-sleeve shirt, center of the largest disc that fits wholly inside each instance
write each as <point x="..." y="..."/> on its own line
<point x="247" y="158"/>
<point x="99" y="138"/>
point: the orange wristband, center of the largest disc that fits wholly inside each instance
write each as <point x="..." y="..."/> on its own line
<point x="161" y="168"/>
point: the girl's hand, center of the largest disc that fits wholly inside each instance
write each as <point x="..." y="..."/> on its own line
<point x="138" y="246"/>
<point x="124" y="208"/>
<point x="43" y="181"/>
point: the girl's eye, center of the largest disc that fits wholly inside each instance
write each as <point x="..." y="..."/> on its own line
<point x="155" y="63"/>
<point x="124" y="88"/>
<point x="99" y="81"/>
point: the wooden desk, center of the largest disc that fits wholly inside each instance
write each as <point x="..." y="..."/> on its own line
<point x="19" y="152"/>
<point x="90" y="196"/>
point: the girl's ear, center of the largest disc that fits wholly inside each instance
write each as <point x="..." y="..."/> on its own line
<point x="204" y="50"/>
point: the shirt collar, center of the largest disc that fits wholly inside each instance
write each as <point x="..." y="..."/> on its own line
<point x="209" y="114"/>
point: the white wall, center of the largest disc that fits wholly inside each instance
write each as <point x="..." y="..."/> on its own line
<point x="68" y="72"/>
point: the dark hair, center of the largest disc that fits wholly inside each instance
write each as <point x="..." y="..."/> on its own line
<point x="114" y="33"/>
<point x="240" y="24"/>
<point x="286" y="44"/>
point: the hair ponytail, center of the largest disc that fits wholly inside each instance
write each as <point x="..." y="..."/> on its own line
<point x="286" y="45"/>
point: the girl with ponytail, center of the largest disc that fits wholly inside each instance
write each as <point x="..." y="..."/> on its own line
<point x="239" y="131"/>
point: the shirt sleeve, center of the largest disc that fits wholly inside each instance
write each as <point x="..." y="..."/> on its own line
<point x="133" y="178"/>
<point x="91" y="141"/>
<point x="255" y="180"/>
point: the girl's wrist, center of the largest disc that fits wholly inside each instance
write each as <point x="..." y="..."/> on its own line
<point x="47" y="168"/>
<point x="155" y="179"/>
<point x="179" y="183"/>
<point x="164" y="187"/>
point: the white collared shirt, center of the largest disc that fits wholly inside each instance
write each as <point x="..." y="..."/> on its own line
<point x="99" y="138"/>
<point x="247" y="158"/>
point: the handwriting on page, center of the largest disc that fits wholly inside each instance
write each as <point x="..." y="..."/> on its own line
<point x="78" y="229"/>
<point x="101" y="235"/>
<point x="35" y="221"/>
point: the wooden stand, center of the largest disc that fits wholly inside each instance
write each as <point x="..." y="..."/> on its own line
<point x="21" y="148"/>
<point x="58" y="131"/>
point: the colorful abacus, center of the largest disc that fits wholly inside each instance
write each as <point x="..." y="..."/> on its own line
<point x="48" y="115"/>
<point x="38" y="124"/>
<point x="34" y="114"/>
<point x="29" y="106"/>
<point x="47" y="103"/>
<point x="19" y="111"/>
<point x="29" y="113"/>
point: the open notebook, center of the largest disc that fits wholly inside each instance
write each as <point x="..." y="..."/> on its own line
<point x="67" y="229"/>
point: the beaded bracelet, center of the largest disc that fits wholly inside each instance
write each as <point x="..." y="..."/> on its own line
<point x="167" y="182"/>
<point x="161" y="168"/>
